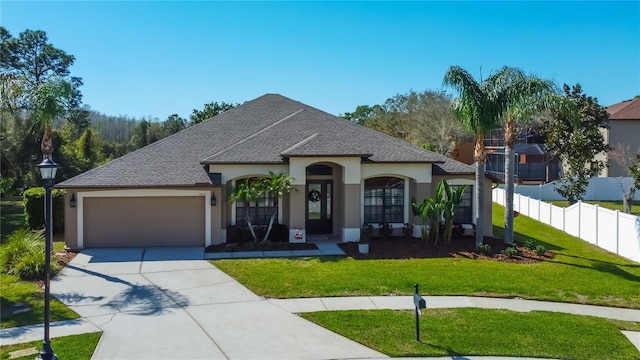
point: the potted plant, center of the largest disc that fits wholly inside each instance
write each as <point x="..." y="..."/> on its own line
<point x="365" y="235"/>
<point x="419" y="230"/>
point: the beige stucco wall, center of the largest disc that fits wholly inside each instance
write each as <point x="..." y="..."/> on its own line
<point x="625" y="134"/>
<point x="488" y="204"/>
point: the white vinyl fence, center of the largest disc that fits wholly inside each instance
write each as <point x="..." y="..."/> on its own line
<point x="600" y="188"/>
<point x="611" y="230"/>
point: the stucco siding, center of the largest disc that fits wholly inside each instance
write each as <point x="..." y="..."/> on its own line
<point x="470" y="180"/>
<point x="625" y="134"/>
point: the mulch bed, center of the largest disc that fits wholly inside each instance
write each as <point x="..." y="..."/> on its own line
<point x="259" y="246"/>
<point x="461" y="247"/>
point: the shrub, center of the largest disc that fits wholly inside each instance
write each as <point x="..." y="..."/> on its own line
<point x="238" y="234"/>
<point x="279" y="233"/>
<point x="510" y="251"/>
<point x="241" y="233"/>
<point x="23" y="255"/>
<point x="541" y="250"/>
<point x="407" y="230"/>
<point x="530" y="244"/>
<point x="385" y="230"/>
<point x="34" y="208"/>
<point x="484" y="249"/>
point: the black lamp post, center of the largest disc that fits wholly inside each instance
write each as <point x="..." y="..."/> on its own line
<point x="48" y="170"/>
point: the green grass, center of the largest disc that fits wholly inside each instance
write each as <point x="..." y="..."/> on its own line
<point x="74" y="347"/>
<point x="14" y="291"/>
<point x="452" y="332"/>
<point x="11" y="216"/>
<point x="579" y="273"/>
<point x="613" y="205"/>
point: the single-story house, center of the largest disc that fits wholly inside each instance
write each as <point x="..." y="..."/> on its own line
<point x="175" y="191"/>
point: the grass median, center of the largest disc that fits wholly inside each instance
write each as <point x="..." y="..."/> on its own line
<point x="456" y="332"/>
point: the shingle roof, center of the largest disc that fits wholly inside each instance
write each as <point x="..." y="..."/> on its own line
<point x="626" y="110"/>
<point x="269" y="129"/>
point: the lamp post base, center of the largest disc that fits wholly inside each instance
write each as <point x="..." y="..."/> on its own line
<point x="47" y="352"/>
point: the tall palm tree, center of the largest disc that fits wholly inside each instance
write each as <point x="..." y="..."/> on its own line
<point x="527" y="96"/>
<point x="47" y="101"/>
<point x="480" y="107"/>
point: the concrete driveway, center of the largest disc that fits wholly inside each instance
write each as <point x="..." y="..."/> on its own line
<point x="169" y="303"/>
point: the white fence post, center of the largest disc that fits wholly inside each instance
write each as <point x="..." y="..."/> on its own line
<point x="597" y="211"/>
<point x="618" y="232"/>
<point x="579" y="217"/>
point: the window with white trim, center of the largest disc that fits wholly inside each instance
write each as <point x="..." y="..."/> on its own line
<point x="384" y="200"/>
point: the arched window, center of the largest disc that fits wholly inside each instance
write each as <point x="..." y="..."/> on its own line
<point x="259" y="210"/>
<point x="384" y="200"/>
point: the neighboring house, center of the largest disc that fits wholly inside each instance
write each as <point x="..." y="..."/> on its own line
<point x="533" y="162"/>
<point x="175" y="191"/>
<point x="623" y="131"/>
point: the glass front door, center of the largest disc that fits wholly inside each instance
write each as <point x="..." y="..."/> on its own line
<point x="319" y="207"/>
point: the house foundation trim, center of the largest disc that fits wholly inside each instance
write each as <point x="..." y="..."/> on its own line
<point x="350" y="234"/>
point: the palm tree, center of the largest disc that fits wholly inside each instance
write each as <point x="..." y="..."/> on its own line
<point x="276" y="185"/>
<point x="480" y="108"/>
<point x="47" y="101"/>
<point x="526" y="96"/>
<point x="247" y="190"/>
<point x="253" y="189"/>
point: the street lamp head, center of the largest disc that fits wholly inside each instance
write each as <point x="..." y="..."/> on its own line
<point x="48" y="169"/>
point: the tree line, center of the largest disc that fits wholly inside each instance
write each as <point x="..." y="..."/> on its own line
<point x="43" y="114"/>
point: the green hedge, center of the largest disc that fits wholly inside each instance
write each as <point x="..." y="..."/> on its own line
<point x="34" y="208"/>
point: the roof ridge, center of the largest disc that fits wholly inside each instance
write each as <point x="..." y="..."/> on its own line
<point x="300" y="143"/>
<point x="254" y="134"/>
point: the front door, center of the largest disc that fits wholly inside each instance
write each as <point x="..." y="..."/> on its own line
<point x="319" y="211"/>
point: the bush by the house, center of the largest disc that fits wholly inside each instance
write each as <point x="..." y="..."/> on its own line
<point x="23" y="255"/>
<point x="541" y="250"/>
<point x="34" y="208"/>
<point x="241" y="233"/>
<point x="510" y="251"/>
<point x="484" y="249"/>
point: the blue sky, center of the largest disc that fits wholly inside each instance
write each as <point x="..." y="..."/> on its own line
<point x="156" y="58"/>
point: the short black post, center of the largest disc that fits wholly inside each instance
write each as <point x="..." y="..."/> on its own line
<point x="417" y="316"/>
<point x="419" y="303"/>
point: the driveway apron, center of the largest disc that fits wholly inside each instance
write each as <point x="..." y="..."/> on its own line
<point x="169" y="303"/>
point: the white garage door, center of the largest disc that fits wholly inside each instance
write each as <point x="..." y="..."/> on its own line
<point x="144" y="221"/>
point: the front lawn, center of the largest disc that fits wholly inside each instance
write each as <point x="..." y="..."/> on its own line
<point x="74" y="347"/>
<point x="579" y="273"/>
<point x="468" y="331"/>
<point x="16" y="291"/>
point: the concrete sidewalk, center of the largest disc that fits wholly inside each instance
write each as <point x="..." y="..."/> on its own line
<point x="443" y="302"/>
